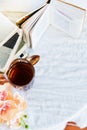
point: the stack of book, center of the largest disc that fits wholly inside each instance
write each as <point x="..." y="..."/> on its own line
<point x="63" y="15"/>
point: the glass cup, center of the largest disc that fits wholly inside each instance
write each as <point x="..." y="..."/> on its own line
<point x="21" y="72"/>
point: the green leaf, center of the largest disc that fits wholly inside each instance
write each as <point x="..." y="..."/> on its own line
<point x="23" y="123"/>
<point x="25" y="116"/>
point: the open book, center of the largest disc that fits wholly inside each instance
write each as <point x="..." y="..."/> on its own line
<point x="11" y="44"/>
<point x="10" y="38"/>
<point x="63" y="15"/>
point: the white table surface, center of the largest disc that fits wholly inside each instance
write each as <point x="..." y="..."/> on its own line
<point x="60" y="87"/>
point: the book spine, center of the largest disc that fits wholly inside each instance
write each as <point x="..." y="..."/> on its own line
<point x="20" y="21"/>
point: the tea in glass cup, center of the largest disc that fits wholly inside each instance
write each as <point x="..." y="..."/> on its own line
<point x="21" y="72"/>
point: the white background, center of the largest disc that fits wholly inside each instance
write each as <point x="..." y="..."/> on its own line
<point x="60" y="88"/>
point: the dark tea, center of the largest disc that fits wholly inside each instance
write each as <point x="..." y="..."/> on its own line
<point x="20" y="72"/>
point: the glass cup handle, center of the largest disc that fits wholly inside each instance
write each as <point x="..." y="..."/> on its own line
<point x="33" y="59"/>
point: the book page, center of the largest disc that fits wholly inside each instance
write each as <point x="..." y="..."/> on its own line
<point x="9" y="48"/>
<point x="40" y="27"/>
<point x="30" y="23"/>
<point x="6" y="27"/>
<point x="80" y="3"/>
<point x="67" y="17"/>
<point x="4" y="55"/>
<point x="7" y="51"/>
<point x="69" y="10"/>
